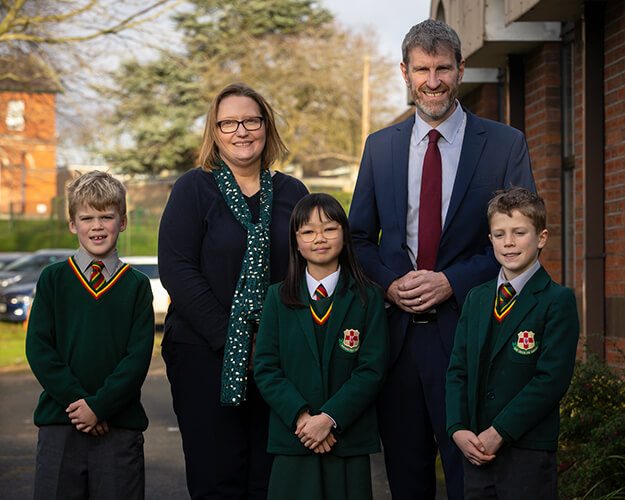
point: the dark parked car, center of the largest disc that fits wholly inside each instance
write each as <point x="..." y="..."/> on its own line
<point x="18" y="280"/>
<point x="7" y="257"/>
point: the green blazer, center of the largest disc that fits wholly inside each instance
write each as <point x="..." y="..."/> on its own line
<point x="291" y="375"/>
<point x="522" y="385"/>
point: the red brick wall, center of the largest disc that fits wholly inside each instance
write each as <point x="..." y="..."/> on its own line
<point x="28" y="157"/>
<point x="614" y="78"/>
<point x="483" y="101"/>
<point x="543" y="131"/>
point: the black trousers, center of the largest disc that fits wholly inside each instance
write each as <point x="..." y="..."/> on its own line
<point x="224" y="447"/>
<point x="515" y="474"/>
<point x="72" y="465"/>
<point x="411" y="412"/>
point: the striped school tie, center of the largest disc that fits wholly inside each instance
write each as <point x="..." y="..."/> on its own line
<point x="320" y="292"/>
<point x="97" y="278"/>
<point x="506" y="296"/>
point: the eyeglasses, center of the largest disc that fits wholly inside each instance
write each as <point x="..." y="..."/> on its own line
<point x="309" y="235"/>
<point x="249" y="124"/>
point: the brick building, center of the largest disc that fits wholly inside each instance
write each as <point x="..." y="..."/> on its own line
<point x="28" y="180"/>
<point x="556" y="70"/>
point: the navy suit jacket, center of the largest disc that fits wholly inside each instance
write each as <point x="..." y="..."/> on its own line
<point x="493" y="156"/>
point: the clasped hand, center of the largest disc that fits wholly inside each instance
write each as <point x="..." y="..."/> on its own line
<point x="315" y="432"/>
<point x="85" y="420"/>
<point x="419" y="291"/>
<point x="478" y="450"/>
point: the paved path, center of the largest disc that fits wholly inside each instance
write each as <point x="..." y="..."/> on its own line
<point x="163" y="451"/>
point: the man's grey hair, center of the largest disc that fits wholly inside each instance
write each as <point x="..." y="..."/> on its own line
<point x="429" y="36"/>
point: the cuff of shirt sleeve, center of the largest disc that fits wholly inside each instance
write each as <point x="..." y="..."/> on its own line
<point x="334" y="426"/>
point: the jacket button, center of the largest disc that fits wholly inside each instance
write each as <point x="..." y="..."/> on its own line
<point x="403" y="246"/>
<point x="490" y="395"/>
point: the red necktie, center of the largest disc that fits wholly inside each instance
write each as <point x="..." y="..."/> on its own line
<point x="430" y="204"/>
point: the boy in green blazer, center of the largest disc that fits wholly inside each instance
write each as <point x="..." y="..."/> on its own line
<point x="512" y="361"/>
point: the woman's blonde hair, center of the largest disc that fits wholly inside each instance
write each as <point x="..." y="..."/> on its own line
<point x="209" y="151"/>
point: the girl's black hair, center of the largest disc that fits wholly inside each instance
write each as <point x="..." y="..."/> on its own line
<point x="325" y="204"/>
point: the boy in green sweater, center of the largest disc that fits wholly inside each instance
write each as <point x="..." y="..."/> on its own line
<point x="512" y="362"/>
<point x="89" y="343"/>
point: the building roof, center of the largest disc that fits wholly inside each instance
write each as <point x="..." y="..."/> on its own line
<point x="26" y="74"/>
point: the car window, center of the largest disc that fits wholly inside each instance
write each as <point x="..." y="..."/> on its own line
<point x="32" y="262"/>
<point x="150" y="270"/>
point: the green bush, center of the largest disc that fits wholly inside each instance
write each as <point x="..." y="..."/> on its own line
<point x="592" y="433"/>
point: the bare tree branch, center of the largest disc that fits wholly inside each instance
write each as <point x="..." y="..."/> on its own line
<point x="18" y="26"/>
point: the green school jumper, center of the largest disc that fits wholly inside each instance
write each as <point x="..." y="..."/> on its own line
<point x="93" y="345"/>
<point x="320" y="476"/>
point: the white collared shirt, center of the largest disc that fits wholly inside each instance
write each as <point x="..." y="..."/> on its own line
<point x="329" y="282"/>
<point x="521" y="280"/>
<point x="450" y="146"/>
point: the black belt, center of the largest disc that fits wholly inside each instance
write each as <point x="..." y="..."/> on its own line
<point x="421" y="318"/>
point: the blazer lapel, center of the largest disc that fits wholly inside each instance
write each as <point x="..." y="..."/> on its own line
<point x="523" y="305"/>
<point x="476" y="347"/>
<point x="304" y="316"/>
<point x="340" y="306"/>
<point x="400" y="150"/>
<point x="487" y="302"/>
<point x="472" y="146"/>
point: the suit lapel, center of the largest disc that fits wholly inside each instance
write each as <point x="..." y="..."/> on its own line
<point x="400" y="150"/>
<point x="523" y="305"/>
<point x="340" y="306"/>
<point x="304" y="317"/>
<point x="487" y="301"/>
<point x="472" y="146"/>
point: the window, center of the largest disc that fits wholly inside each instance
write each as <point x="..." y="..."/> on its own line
<point x="15" y="116"/>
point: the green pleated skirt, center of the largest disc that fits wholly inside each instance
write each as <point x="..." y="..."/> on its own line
<point x="320" y="477"/>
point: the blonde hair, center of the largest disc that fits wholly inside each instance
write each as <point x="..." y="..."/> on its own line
<point x="96" y="189"/>
<point x="209" y="151"/>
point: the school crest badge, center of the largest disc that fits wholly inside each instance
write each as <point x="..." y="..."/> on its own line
<point x="350" y="341"/>
<point x="525" y="343"/>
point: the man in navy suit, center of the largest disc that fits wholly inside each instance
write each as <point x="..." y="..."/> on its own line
<point x="473" y="157"/>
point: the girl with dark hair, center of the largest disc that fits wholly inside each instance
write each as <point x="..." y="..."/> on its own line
<point x="321" y="357"/>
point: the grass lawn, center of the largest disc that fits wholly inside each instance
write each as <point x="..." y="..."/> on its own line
<point x="12" y="336"/>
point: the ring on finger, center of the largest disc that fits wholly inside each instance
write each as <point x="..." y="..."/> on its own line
<point x="420" y="300"/>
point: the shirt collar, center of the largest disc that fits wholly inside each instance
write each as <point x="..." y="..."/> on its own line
<point x="449" y="129"/>
<point x="329" y="282"/>
<point x="521" y="280"/>
<point x="84" y="260"/>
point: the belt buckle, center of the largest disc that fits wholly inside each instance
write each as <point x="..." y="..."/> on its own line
<point x="423" y="318"/>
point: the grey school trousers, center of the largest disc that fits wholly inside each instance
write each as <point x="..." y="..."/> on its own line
<point x="72" y="465"/>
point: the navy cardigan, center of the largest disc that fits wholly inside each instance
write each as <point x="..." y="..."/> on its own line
<point x="200" y="250"/>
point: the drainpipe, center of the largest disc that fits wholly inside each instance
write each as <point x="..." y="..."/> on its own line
<point x="593" y="294"/>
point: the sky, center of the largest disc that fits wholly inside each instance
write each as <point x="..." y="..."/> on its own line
<point x="391" y="20"/>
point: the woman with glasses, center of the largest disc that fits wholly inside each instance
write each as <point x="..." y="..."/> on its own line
<point x="223" y="239"/>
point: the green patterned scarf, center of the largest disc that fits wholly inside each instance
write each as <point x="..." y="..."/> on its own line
<point x="253" y="282"/>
